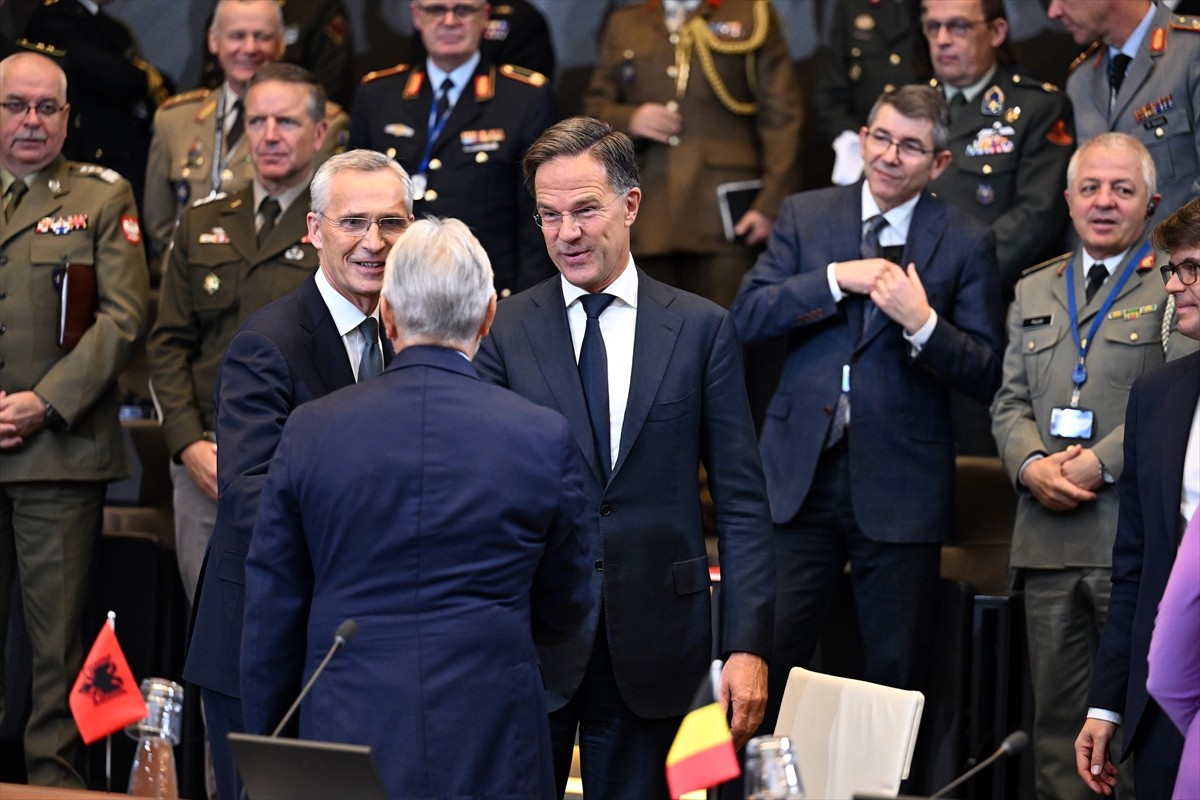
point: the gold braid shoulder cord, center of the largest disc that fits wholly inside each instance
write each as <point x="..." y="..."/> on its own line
<point x="696" y="35"/>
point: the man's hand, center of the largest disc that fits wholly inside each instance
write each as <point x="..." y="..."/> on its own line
<point x="861" y="275"/>
<point x="656" y="122"/>
<point x="901" y="296"/>
<point x="200" y="458"/>
<point x="744" y="686"/>
<point x="22" y="414"/>
<point x="755" y="226"/>
<point x="1084" y="469"/>
<point x="1045" y="480"/>
<point x="1096" y="769"/>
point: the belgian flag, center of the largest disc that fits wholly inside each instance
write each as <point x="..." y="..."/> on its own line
<point x="702" y="754"/>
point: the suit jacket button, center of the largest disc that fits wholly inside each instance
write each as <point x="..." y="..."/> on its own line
<point x="599" y="566"/>
<point x="605" y="510"/>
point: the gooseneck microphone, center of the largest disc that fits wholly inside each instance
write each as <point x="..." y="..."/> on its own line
<point x="341" y="637"/>
<point x="1014" y="743"/>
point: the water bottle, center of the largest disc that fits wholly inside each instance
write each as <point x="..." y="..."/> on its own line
<point x="771" y="769"/>
<point x="153" y="773"/>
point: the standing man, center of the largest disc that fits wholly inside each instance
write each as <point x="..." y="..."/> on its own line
<point x="198" y="149"/>
<point x="889" y="301"/>
<point x="60" y="439"/>
<point x="320" y="337"/>
<point x="1059" y="429"/>
<point x="1159" y="491"/>
<point x="651" y="381"/>
<point x="1141" y="76"/>
<point x="460" y="124"/>
<point x="231" y="257"/>
<point x="461" y="579"/>
<point x="709" y="92"/>
<point x="1010" y="136"/>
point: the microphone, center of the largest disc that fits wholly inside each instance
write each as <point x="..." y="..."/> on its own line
<point x="1014" y="743"/>
<point x="341" y="637"/>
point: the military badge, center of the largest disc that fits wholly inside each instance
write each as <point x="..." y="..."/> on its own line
<point x="131" y="230"/>
<point x="55" y="185"/>
<point x="1160" y="106"/>
<point x="212" y="284"/>
<point x="727" y="30"/>
<point x="985" y="195"/>
<point x="485" y="139"/>
<point x="399" y="130"/>
<point x="1013" y="114"/>
<point x="183" y="190"/>
<point x="993" y="102"/>
<point x="61" y="226"/>
<point x="419" y="182"/>
<point x="628" y="70"/>
<point x="1158" y="40"/>
<point x="195" y="157"/>
<point x="293" y="253"/>
<point x="855" y="72"/>
<point x="1133" y="313"/>
<point x="864" y="22"/>
<point x="496" y="31"/>
<point x="215" y="236"/>
<point x="992" y="141"/>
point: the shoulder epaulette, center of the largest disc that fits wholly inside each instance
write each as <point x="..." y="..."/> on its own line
<point x="1047" y="263"/>
<point x="1182" y="22"/>
<point x="1032" y="83"/>
<point x="384" y="73"/>
<point x="529" y="76"/>
<point x="187" y="97"/>
<point x="41" y="47"/>
<point x="332" y="110"/>
<point x="1084" y="56"/>
<point x="106" y="174"/>
<point x="209" y="199"/>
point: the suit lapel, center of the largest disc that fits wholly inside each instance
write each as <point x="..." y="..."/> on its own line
<point x="654" y="338"/>
<point x="41" y="200"/>
<point x="324" y="345"/>
<point x="1180" y="404"/>
<point x="1140" y="69"/>
<point x="284" y="234"/>
<point x="237" y="218"/>
<point x="550" y="341"/>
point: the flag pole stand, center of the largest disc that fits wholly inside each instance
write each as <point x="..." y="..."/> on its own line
<point x="108" y="763"/>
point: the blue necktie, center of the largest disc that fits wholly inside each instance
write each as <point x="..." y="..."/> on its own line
<point x="593" y="372"/>
<point x="370" y="363"/>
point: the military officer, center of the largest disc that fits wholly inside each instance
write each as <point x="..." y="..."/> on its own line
<point x="464" y="151"/>
<point x="1140" y="76"/>
<point x="1010" y="136"/>
<point x="676" y="77"/>
<point x="872" y="48"/>
<point x="60" y="438"/>
<point x="190" y="128"/>
<point x="230" y="257"/>
<point x="1083" y="327"/>
<point x="516" y="33"/>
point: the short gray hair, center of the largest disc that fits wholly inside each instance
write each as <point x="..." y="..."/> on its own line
<point x="921" y="102"/>
<point x="356" y="161"/>
<point x="283" y="72"/>
<point x="1115" y="140"/>
<point x="438" y="282"/>
<point x="215" y="25"/>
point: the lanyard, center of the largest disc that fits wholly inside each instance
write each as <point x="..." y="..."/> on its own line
<point x="435" y="130"/>
<point x="1079" y="373"/>
<point x="214" y="181"/>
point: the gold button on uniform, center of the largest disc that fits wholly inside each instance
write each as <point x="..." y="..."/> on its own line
<point x="1133" y="337"/>
<point x="481" y="158"/>
<point x="435" y="163"/>
<point x="1031" y="345"/>
<point x="431" y="195"/>
<point x="987" y="169"/>
<point x="1158" y="132"/>
<point x="390" y="152"/>
<point x="894" y="59"/>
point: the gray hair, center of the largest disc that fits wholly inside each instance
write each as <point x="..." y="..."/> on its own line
<point x="438" y="282"/>
<point x="29" y="55"/>
<point x="1116" y="141"/>
<point x="578" y="135"/>
<point x="215" y="26"/>
<point x="291" y="73"/>
<point x="918" y="101"/>
<point x="355" y="161"/>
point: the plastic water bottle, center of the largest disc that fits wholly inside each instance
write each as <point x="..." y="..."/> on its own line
<point x="153" y="773"/>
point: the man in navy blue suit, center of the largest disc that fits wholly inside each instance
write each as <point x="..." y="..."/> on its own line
<point x="888" y="300"/>
<point x="672" y="397"/>
<point x="322" y="336"/>
<point x="1159" y="491"/>
<point x="382" y="505"/>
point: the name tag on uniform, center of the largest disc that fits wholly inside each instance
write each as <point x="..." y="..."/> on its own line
<point x="1037" y="322"/>
<point x="1072" y="423"/>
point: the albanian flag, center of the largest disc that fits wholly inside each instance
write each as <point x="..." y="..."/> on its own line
<point x="105" y="697"/>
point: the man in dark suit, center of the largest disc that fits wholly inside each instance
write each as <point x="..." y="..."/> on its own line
<point x="652" y="390"/>
<point x="1159" y="490"/>
<point x="451" y="581"/>
<point x="857" y="443"/>
<point x="460" y="124"/>
<point x="320" y="337"/>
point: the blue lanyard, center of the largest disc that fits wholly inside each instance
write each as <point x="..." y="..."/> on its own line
<point x="435" y="130"/>
<point x="1079" y="373"/>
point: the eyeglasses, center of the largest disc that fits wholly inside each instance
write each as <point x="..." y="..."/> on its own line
<point x="439" y="11"/>
<point x="1185" y="270"/>
<point x="553" y="220"/>
<point x="958" y="28"/>
<point x="389" y="227"/>
<point x="908" y="148"/>
<point x="44" y="108"/>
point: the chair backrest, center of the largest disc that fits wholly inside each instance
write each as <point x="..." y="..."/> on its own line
<point x="849" y="736"/>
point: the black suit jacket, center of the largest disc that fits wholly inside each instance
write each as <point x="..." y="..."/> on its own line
<point x="687" y="406"/>
<point x="1157" y="419"/>
<point x="287" y="353"/>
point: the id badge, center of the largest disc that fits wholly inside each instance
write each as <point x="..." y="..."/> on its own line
<point x="1072" y="423"/>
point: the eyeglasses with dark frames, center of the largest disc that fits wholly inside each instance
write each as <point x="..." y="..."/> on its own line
<point x="958" y="28"/>
<point x="438" y="11"/>
<point x="1185" y="270"/>
<point x="909" y="148"/>
<point x="43" y="108"/>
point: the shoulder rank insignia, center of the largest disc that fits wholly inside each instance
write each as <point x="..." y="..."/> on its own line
<point x="186" y="97"/>
<point x="1185" y="23"/>
<point x="1059" y="259"/>
<point x="532" y="77"/>
<point x="384" y="73"/>
<point x="1084" y="56"/>
<point x="106" y="174"/>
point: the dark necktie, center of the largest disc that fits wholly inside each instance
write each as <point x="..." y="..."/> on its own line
<point x="370" y="363"/>
<point x="236" y="129"/>
<point x="593" y="372"/>
<point x="869" y="248"/>
<point x="1097" y="275"/>
<point x="15" y="192"/>
<point x="443" y="101"/>
<point x="957" y="102"/>
<point x="1116" y="76"/>
<point x="268" y="209"/>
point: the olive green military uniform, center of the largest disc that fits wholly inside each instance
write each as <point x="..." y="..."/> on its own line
<point x="52" y="486"/>
<point x="179" y="170"/>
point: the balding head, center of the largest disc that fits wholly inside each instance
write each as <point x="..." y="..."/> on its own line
<point x="33" y="118"/>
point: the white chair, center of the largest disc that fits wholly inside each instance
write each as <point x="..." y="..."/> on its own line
<point x="849" y="736"/>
